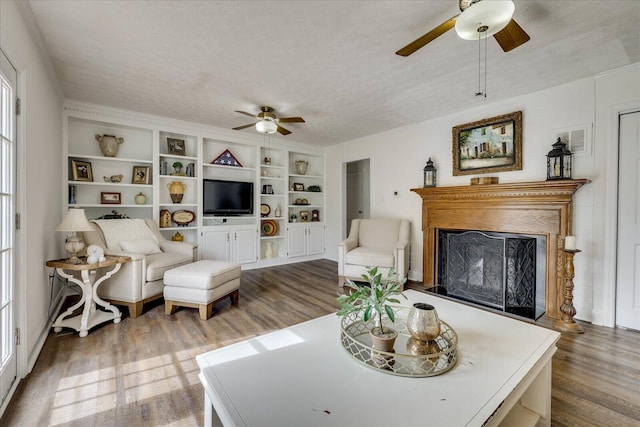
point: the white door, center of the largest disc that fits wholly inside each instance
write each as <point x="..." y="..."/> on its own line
<point x="215" y="245"/>
<point x="8" y="366"/>
<point x="628" y="271"/>
<point x="244" y="242"/>
<point x="315" y="239"/>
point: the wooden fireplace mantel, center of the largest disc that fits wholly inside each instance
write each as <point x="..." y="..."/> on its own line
<point x="540" y="208"/>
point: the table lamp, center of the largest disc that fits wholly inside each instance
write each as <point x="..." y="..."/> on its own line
<point x="74" y="221"/>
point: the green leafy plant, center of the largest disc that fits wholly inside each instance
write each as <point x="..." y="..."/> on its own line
<point x="177" y="165"/>
<point x="374" y="298"/>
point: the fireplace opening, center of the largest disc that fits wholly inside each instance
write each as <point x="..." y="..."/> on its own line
<point x="501" y="271"/>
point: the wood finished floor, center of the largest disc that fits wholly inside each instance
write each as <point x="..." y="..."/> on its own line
<point x="142" y="372"/>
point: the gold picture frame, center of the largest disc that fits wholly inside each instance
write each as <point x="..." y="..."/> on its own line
<point x="140" y="174"/>
<point x="81" y="171"/>
<point x="488" y="146"/>
<point x="304" y="216"/>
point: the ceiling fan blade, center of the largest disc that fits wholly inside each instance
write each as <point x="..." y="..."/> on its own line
<point x="511" y="36"/>
<point x="283" y="131"/>
<point x="246" y="114"/>
<point x="291" y="120"/>
<point x="427" y="38"/>
<point x="244" y="127"/>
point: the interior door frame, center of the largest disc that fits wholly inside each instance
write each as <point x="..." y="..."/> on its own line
<point x="20" y="291"/>
<point x="343" y="210"/>
<point x="611" y="210"/>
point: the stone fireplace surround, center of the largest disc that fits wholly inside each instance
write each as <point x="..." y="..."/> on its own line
<point x="535" y="208"/>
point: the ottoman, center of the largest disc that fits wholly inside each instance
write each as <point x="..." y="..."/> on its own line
<point x="200" y="285"/>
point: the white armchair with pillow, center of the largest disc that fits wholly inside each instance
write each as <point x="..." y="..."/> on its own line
<point x="140" y="280"/>
<point x="374" y="242"/>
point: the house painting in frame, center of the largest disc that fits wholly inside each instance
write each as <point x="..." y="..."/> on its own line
<point x="489" y="145"/>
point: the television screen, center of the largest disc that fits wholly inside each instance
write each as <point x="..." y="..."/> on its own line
<point x="227" y="198"/>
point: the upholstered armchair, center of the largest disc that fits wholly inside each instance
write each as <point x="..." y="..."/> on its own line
<point x="140" y="280"/>
<point x="374" y="242"/>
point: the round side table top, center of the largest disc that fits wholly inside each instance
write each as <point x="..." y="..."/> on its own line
<point x="110" y="261"/>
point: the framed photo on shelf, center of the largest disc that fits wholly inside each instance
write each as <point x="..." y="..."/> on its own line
<point x="176" y="147"/>
<point x="304" y="216"/>
<point x="110" y="198"/>
<point x="489" y="145"/>
<point x="298" y="186"/>
<point x="140" y="174"/>
<point x="81" y="171"/>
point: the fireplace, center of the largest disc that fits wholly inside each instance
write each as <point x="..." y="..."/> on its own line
<point x="502" y="271"/>
<point x="542" y="208"/>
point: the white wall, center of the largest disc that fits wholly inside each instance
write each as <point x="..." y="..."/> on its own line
<point x="398" y="157"/>
<point x="39" y="176"/>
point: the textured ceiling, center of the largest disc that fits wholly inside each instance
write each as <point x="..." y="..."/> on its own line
<point x="331" y="62"/>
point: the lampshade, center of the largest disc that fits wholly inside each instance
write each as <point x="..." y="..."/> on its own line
<point x="75" y="220"/>
<point x="492" y="14"/>
<point x="266" y="126"/>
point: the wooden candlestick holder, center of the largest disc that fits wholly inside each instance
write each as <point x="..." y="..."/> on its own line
<point x="566" y="323"/>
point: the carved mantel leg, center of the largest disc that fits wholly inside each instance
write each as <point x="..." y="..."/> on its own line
<point x="567" y="310"/>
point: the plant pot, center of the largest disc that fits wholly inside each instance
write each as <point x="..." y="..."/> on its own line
<point x="422" y="322"/>
<point x="383" y="342"/>
<point x="109" y="144"/>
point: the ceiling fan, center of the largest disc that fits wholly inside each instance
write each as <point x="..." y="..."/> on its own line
<point x="478" y="19"/>
<point x="268" y="122"/>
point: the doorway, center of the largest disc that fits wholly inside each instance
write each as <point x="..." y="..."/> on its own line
<point x="628" y="255"/>
<point x="8" y="359"/>
<point x="357" y="191"/>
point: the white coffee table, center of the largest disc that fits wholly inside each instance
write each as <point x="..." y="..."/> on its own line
<point x="302" y="376"/>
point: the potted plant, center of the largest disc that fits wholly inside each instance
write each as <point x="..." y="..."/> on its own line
<point x="373" y="299"/>
<point x="177" y="166"/>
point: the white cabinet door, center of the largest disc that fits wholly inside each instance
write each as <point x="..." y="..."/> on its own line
<point x="216" y="244"/>
<point x="297" y="240"/>
<point x="244" y="244"/>
<point x="315" y="239"/>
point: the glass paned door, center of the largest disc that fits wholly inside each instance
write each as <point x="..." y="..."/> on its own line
<point x="8" y="367"/>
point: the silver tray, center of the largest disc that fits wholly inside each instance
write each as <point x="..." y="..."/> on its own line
<point x="437" y="357"/>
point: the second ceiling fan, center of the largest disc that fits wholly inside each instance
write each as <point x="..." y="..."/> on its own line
<point x="268" y="122"/>
<point x="484" y="18"/>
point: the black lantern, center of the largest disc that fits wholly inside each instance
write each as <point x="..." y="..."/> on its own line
<point x="429" y="174"/>
<point x="559" y="161"/>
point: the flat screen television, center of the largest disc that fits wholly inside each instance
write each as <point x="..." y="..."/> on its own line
<point x="227" y="198"/>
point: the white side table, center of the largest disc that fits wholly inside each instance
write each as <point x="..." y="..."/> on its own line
<point x="90" y="317"/>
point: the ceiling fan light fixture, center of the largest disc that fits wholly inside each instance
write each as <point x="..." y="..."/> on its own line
<point x="492" y="14"/>
<point x="267" y="126"/>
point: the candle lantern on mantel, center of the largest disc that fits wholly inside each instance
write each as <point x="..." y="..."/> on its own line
<point x="429" y="174"/>
<point x="559" y="162"/>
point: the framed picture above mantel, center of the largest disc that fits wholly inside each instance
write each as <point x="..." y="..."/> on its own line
<point x="488" y="145"/>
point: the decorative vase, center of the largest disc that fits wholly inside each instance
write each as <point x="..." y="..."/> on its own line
<point x="418" y="348"/>
<point x="177" y="237"/>
<point x="72" y="194"/>
<point x="109" y="144"/>
<point x="301" y="167"/>
<point x="140" y="199"/>
<point x="176" y="191"/>
<point x="278" y="212"/>
<point x="422" y="322"/>
<point x="268" y="253"/>
<point x="383" y="342"/>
